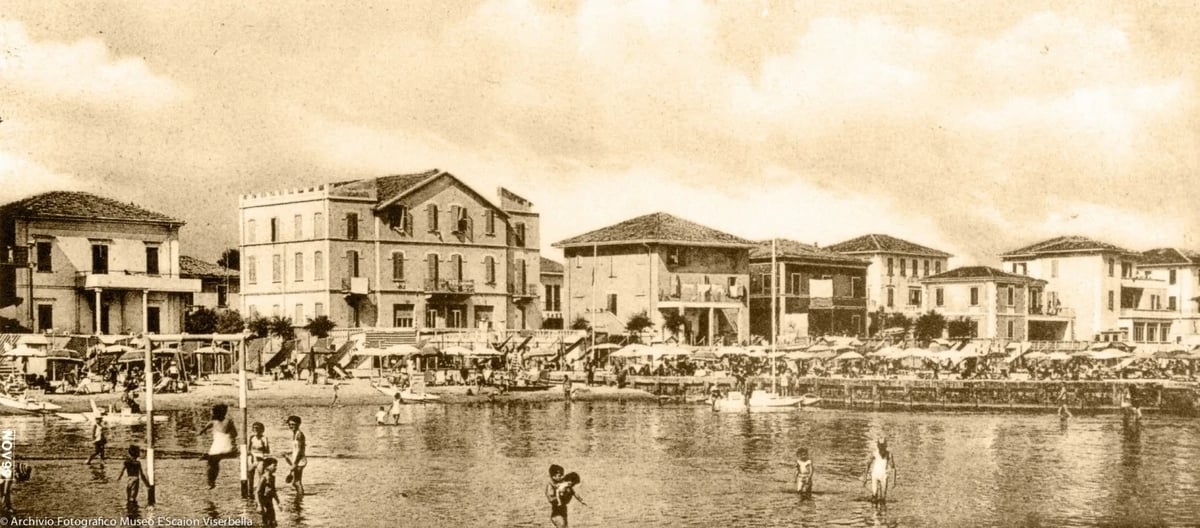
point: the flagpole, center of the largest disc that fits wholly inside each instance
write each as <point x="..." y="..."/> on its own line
<point x="774" y="313"/>
<point x="149" y="365"/>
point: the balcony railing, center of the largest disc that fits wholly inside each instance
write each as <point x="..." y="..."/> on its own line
<point x="702" y="293"/>
<point x="135" y="280"/>
<point x="449" y="286"/>
<point x="522" y="289"/>
<point x="1159" y="313"/>
<point x="1051" y="310"/>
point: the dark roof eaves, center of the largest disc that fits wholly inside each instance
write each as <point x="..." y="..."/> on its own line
<point x="571" y="244"/>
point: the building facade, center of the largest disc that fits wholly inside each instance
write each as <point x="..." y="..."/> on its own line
<point x="417" y="251"/>
<point x="659" y="264"/>
<point x="80" y="263"/>
<point x="818" y="291"/>
<point x="551" y="298"/>
<point x="897" y="267"/>
<point x="995" y="304"/>
<point x="219" y="286"/>
<point x="1179" y="270"/>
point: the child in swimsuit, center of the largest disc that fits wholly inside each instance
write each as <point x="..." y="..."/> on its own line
<point x="881" y="470"/>
<point x="267" y="498"/>
<point x="804" y="472"/>
<point x="298" y="459"/>
<point x="20" y="472"/>
<point x="564" y="491"/>
<point x="556" y="476"/>
<point x="381" y="416"/>
<point x="259" y="449"/>
<point x="99" y="440"/>
<point x="132" y="471"/>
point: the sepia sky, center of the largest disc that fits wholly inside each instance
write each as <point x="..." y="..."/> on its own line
<point x="974" y="127"/>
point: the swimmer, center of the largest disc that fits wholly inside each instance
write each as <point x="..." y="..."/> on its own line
<point x="881" y="471"/>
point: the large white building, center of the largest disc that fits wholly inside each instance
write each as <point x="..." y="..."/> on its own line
<point x="1179" y="270"/>
<point x="897" y="267"/>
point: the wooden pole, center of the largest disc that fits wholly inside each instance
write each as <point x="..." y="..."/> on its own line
<point x="245" y="421"/>
<point x="149" y="423"/>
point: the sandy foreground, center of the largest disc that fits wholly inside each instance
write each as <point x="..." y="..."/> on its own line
<point x="272" y="393"/>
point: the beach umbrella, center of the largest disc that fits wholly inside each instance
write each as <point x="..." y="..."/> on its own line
<point x="669" y="350"/>
<point x="121" y="349"/>
<point x="1036" y="355"/>
<point x="25" y="351"/>
<point x="630" y="351"/>
<point x="429" y="350"/>
<point x="731" y="351"/>
<point x="486" y="352"/>
<point x="211" y="350"/>
<point x="1058" y="356"/>
<point x="541" y="352"/>
<point x="606" y="346"/>
<point x="820" y="347"/>
<point x="705" y="355"/>
<point x="914" y="352"/>
<point x="885" y="352"/>
<point x="63" y="353"/>
<point x="828" y="354"/>
<point x="402" y="349"/>
<point x="1110" y="353"/>
<point x="456" y="350"/>
<point x="848" y="356"/>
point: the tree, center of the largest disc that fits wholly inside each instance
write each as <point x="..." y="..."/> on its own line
<point x="319" y="327"/>
<point x="229" y="322"/>
<point x="638" y="322"/>
<point x="581" y="323"/>
<point x="282" y="327"/>
<point x="962" y="328"/>
<point x="929" y="326"/>
<point x="259" y="326"/>
<point x="12" y="326"/>
<point x="201" y="321"/>
<point x="231" y="258"/>
<point x="676" y="323"/>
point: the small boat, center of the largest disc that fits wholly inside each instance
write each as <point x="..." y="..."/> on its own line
<point x="125" y="417"/>
<point x="406" y="395"/>
<point x="761" y="401"/>
<point x="24" y="403"/>
<point x="529" y="386"/>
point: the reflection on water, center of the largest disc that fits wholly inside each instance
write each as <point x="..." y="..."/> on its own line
<point x="649" y="465"/>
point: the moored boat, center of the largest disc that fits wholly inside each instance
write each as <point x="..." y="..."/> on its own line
<point x="23" y="403"/>
<point x="761" y="401"/>
<point x="406" y="395"/>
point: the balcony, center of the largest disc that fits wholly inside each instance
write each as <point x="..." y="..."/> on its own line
<point x="1142" y="283"/>
<point x="551" y="314"/>
<point x="1050" y="312"/>
<point x="450" y="286"/>
<point x="356" y="285"/>
<point x="136" y="280"/>
<point x="522" y="290"/>
<point x="1140" y="313"/>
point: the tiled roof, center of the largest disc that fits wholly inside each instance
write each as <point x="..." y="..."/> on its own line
<point x="1170" y="256"/>
<point x="658" y="228"/>
<point x="191" y="267"/>
<point x="550" y="266"/>
<point x="979" y="273"/>
<point x="791" y="249"/>
<point x="1065" y="244"/>
<point x="81" y="205"/>
<point x="387" y="187"/>
<point x="885" y="244"/>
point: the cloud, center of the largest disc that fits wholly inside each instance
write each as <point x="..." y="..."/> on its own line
<point x="21" y="177"/>
<point x="83" y="71"/>
<point x="1132" y="229"/>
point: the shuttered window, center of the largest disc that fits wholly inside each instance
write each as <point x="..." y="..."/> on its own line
<point x="318" y="266"/>
<point x="351" y="264"/>
<point x="432" y="262"/>
<point x="457" y="266"/>
<point x="352" y="226"/>
<point x="489" y="264"/>
<point x="491" y="222"/>
<point x="432" y="211"/>
<point x="398" y="266"/>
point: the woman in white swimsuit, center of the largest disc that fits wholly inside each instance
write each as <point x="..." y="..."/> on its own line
<point x="224" y="438"/>
<point x="881" y="470"/>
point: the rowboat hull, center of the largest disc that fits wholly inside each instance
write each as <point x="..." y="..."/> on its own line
<point x="115" y="418"/>
<point x="28" y="405"/>
<point x="760" y="401"/>
<point x="407" y="396"/>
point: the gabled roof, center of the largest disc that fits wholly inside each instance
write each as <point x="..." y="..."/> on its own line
<point x="979" y="273"/>
<point x="1065" y="244"/>
<point x="1170" y="257"/>
<point x="885" y="244"/>
<point x="552" y="267"/>
<point x="192" y="267"/>
<point x="790" y="249"/>
<point x="391" y="189"/>
<point x="83" y="206"/>
<point x="657" y="228"/>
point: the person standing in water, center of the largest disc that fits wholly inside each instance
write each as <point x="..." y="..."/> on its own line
<point x="881" y="471"/>
<point x="1063" y="411"/>
<point x="224" y="438"/>
<point x="298" y="458"/>
<point x="397" y="401"/>
<point x="265" y="492"/>
<point x="132" y="470"/>
<point x="99" y="439"/>
<point x="804" y="473"/>
<point x="260" y="448"/>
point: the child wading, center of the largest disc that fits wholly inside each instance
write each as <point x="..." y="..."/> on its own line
<point x="881" y="471"/>
<point x="132" y="471"/>
<point x="298" y="458"/>
<point x="259" y="449"/>
<point x="20" y="472"/>
<point x="804" y="473"/>
<point x="265" y="492"/>
<point x="224" y="440"/>
<point x="99" y="439"/>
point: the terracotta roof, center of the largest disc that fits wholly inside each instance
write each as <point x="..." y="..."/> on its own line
<point x="1065" y="244"/>
<point x="660" y="228"/>
<point x="387" y="187"/>
<point x="979" y="273"/>
<point x="1170" y="257"/>
<point x="785" y="249"/>
<point x="550" y="266"/>
<point x="192" y="267"/>
<point x="81" y="205"/>
<point x="885" y="244"/>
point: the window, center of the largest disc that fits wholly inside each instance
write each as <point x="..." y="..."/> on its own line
<point x="1012" y="296"/>
<point x="45" y="317"/>
<point x="1053" y="268"/>
<point x="153" y="320"/>
<point x="431" y="316"/>
<point x="926" y="268"/>
<point x="456" y="266"/>
<point x="914" y="297"/>
<point x="1171" y="276"/>
<point x="939" y="297"/>
<point x="275" y="310"/>
<point x="318" y="225"/>
<point x="1126" y="270"/>
<point x="152" y="260"/>
<point x="398" y="218"/>
<point x="99" y="258"/>
<point x="456" y="318"/>
<point x="274" y="229"/>
<point x="974" y="296"/>
<point x="1171" y="303"/>
<point x="903" y="266"/>
<point x="891" y="297"/>
<point x="276" y="268"/>
<point x="578" y="261"/>
<point x="402" y="315"/>
<point x="1111" y="264"/>
<point x="914" y="268"/>
<point x="519" y="235"/>
<point x="432" y="263"/>
<point x="937" y="267"/>
<point x="553" y="297"/>
<point x="676" y="256"/>
<point x="299" y="270"/>
<point x="352" y="264"/>
<point x="318" y="266"/>
<point x="491" y="222"/>
<point x="318" y="309"/>
<point x="45" y="263"/>
<point x="251" y="270"/>
<point x="889" y="266"/>
<point x="352" y="226"/>
<point x="794" y="284"/>
<point x="519" y="278"/>
<point x="431" y="211"/>
<point x="1112" y="300"/>
<point x="1139" y="332"/>
<point x="398" y="268"/>
<point x="299" y="314"/>
<point x="856" y="288"/>
<point x="297" y="227"/>
<point x="489" y="266"/>
<point x="249" y="231"/>
<point x="1155" y="302"/>
<point x="612" y="303"/>
<point x="1011" y="329"/>
<point x="461" y="219"/>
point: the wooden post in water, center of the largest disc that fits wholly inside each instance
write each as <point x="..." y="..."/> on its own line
<point x="149" y="421"/>
<point x="245" y="420"/>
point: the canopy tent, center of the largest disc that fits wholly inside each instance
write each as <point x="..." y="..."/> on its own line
<point x="1058" y="356"/>
<point x="632" y="351"/>
<point x="541" y="352"/>
<point x="731" y="351"/>
<point x="885" y="352"/>
<point x="849" y="356"/>
<point x="23" y="350"/>
<point x="456" y="350"/>
<point x="658" y="351"/>
<point x="140" y="355"/>
<point x="820" y="347"/>
<point x="706" y="355"/>
<point x="1110" y="353"/>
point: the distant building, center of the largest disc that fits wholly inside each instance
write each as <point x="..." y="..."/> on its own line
<point x="1180" y="270"/>
<point x="219" y="285"/>
<point x="819" y="292"/>
<point x="660" y="264"/>
<point x="996" y="304"/>
<point x="552" y="285"/>
<point x="897" y="266"/>
<point x="415" y="251"/>
<point x="1100" y="285"/>
<point x="97" y="265"/>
